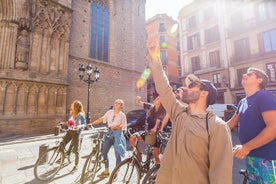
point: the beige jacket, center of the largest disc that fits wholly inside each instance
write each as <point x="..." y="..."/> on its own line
<point x="193" y="155"/>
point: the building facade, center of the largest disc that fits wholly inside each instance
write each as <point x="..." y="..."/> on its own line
<point x="161" y="29"/>
<point x="219" y="40"/>
<point x="42" y="45"/>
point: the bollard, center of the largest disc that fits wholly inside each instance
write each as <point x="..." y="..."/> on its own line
<point x="42" y="149"/>
<point x="57" y="130"/>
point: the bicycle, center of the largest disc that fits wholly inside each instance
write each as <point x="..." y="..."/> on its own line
<point x="52" y="160"/>
<point x="152" y="173"/>
<point x="131" y="170"/>
<point x="94" y="161"/>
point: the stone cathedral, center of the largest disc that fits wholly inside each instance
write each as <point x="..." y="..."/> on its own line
<point x="42" y="45"/>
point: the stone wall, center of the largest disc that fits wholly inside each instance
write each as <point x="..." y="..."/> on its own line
<point x="42" y="44"/>
<point x="34" y="49"/>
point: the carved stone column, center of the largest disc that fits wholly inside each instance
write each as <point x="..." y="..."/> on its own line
<point x="8" y="33"/>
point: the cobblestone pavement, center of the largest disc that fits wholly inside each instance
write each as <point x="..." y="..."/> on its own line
<point x="18" y="156"/>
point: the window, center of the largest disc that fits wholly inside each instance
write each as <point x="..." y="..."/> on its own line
<point x="195" y="63"/>
<point x="214" y="58"/>
<point x="217" y="79"/>
<point x="193" y="42"/>
<point x="163" y="56"/>
<point x="162" y="41"/>
<point x="162" y="27"/>
<point x="269" y="40"/>
<point x="211" y="35"/>
<point x="191" y="22"/>
<point x="99" y="33"/>
<point x="241" y="49"/>
<point x="271" y="71"/>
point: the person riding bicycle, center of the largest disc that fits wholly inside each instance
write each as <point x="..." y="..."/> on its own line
<point x="155" y="115"/>
<point x="117" y="123"/>
<point x="76" y="124"/>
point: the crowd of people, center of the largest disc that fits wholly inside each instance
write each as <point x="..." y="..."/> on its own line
<point x="200" y="147"/>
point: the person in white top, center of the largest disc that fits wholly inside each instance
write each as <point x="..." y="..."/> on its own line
<point x="117" y="124"/>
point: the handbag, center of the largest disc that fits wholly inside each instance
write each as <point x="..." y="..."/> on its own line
<point x="150" y="139"/>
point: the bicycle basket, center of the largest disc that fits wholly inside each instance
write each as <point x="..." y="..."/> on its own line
<point x="150" y="139"/>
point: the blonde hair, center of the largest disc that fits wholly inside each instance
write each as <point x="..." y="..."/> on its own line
<point x="76" y="108"/>
<point x="120" y="101"/>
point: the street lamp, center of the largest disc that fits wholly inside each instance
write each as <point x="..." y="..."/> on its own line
<point x="89" y="71"/>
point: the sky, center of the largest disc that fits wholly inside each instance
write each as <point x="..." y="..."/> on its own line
<point x="170" y="7"/>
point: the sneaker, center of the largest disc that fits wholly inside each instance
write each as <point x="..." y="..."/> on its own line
<point x="103" y="175"/>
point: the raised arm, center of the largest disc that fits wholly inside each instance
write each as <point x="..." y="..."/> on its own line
<point x="139" y="101"/>
<point x="167" y="96"/>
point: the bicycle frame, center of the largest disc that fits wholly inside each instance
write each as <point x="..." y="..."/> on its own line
<point x="94" y="162"/>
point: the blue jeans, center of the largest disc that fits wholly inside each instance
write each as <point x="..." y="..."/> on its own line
<point x="107" y="143"/>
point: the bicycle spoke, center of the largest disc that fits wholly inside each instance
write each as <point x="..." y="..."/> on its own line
<point x="48" y="164"/>
<point x="126" y="172"/>
<point x="151" y="175"/>
<point x="90" y="168"/>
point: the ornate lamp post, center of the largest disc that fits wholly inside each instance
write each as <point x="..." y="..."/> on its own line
<point x="89" y="71"/>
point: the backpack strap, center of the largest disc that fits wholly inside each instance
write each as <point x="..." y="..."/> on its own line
<point x="206" y="120"/>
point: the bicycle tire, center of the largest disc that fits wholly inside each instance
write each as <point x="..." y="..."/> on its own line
<point x="90" y="167"/>
<point x="151" y="175"/>
<point x="48" y="164"/>
<point x="128" y="171"/>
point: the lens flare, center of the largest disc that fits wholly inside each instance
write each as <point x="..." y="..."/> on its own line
<point x="173" y="31"/>
<point x="174" y="28"/>
<point x="164" y="45"/>
<point x="141" y="81"/>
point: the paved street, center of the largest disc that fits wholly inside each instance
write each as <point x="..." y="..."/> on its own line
<point x="18" y="156"/>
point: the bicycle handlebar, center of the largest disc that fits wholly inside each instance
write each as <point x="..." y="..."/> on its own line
<point x="163" y="135"/>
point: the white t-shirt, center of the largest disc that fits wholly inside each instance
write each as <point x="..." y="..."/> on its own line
<point x="113" y="120"/>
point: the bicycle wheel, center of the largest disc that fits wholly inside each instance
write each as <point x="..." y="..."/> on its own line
<point x="48" y="164"/>
<point x="151" y="175"/>
<point x="90" y="167"/>
<point x="127" y="171"/>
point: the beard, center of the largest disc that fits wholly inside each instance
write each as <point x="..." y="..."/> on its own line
<point x="191" y="97"/>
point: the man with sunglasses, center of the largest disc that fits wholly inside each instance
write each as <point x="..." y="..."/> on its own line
<point x="256" y="115"/>
<point x="200" y="147"/>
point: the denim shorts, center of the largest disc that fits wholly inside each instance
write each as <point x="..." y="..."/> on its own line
<point x="261" y="171"/>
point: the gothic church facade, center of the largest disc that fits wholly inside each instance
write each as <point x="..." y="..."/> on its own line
<point x="42" y="45"/>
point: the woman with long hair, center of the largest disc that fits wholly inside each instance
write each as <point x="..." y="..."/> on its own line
<point x="79" y="123"/>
